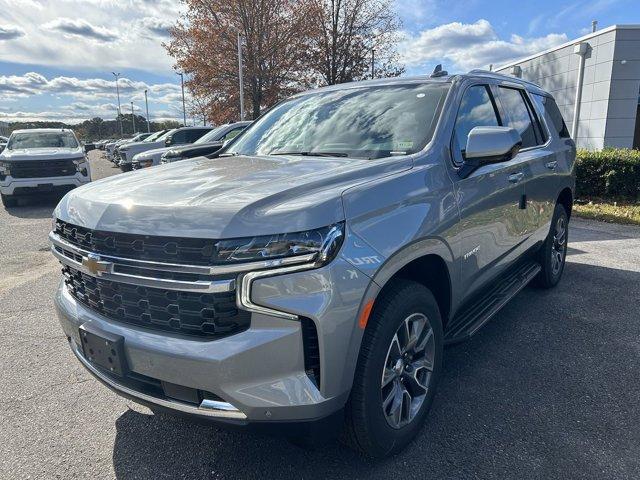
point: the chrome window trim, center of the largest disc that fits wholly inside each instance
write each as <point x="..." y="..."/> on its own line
<point x="209" y="408"/>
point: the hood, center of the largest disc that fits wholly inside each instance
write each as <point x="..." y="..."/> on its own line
<point x="224" y="197"/>
<point x="41" y="154"/>
<point x="195" y="150"/>
<point x="151" y="153"/>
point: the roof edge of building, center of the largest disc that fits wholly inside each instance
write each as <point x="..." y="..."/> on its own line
<point x="634" y="26"/>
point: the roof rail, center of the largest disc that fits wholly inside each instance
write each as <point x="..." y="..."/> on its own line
<point x="487" y="73"/>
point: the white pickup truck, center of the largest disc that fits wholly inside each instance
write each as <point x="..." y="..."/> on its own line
<point x="41" y="160"/>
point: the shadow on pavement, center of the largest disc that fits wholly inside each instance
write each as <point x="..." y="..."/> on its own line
<point x="35" y="206"/>
<point x="548" y="386"/>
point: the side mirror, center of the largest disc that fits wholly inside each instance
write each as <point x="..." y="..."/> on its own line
<point x="88" y="147"/>
<point x="168" y="142"/>
<point x="486" y="145"/>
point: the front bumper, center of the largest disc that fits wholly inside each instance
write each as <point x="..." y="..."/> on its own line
<point x="11" y="186"/>
<point x="258" y="374"/>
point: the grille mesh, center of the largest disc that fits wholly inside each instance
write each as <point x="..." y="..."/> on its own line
<point x="190" y="313"/>
<point x="43" y="169"/>
<point x="192" y="251"/>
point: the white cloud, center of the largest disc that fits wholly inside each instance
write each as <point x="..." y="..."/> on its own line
<point x="89" y="35"/>
<point x="470" y="45"/>
<point x="81" y="28"/>
<point x="10" y="32"/>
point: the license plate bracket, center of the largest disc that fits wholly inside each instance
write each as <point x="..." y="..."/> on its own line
<point x="104" y="349"/>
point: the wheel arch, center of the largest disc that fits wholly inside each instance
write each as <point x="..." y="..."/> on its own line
<point x="565" y="198"/>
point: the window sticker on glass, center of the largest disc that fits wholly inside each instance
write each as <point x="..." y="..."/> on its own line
<point x="405" y="145"/>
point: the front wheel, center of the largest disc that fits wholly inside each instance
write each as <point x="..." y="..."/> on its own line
<point x="553" y="253"/>
<point x="397" y="372"/>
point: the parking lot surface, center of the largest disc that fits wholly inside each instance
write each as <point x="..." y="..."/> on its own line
<point x="548" y="389"/>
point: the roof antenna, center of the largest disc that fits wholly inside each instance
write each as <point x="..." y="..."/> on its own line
<point x="438" y="72"/>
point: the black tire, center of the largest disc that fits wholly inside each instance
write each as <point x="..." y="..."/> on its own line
<point x="126" y="167"/>
<point x="9" y="201"/>
<point x="367" y="428"/>
<point x="553" y="253"/>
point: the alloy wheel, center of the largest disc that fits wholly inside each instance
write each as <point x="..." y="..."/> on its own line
<point x="407" y="370"/>
<point x="559" y="245"/>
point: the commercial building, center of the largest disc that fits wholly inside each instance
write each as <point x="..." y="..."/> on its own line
<point x="596" y="79"/>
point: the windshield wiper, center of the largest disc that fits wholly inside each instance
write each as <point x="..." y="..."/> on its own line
<point x="313" y="154"/>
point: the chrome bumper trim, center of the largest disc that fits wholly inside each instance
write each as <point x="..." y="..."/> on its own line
<point x="209" y="408"/>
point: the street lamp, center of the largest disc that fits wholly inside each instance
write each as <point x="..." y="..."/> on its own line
<point x="117" y="75"/>
<point x="184" y="110"/>
<point x="146" y="103"/>
<point x="133" y="119"/>
<point x="240" y="81"/>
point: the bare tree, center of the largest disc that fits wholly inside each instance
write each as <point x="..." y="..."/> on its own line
<point x="348" y="34"/>
<point x="204" y="45"/>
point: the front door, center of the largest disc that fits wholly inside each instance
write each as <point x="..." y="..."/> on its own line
<point x="488" y="199"/>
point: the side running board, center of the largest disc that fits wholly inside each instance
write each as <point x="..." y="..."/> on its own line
<point x="469" y="320"/>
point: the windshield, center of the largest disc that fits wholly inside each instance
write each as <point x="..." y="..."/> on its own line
<point x="365" y="122"/>
<point x="153" y="136"/>
<point x="211" y="136"/>
<point x="42" y="140"/>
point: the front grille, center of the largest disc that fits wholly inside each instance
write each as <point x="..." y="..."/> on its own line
<point x="190" y="313"/>
<point x="189" y="251"/>
<point x="43" y="168"/>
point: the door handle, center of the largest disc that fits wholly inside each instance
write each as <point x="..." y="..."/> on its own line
<point x="516" y="177"/>
<point x="551" y="165"/>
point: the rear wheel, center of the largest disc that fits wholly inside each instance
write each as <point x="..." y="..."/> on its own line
<point x="9" y="200"/>
<point x="397" y="372"/>
<point x="553" y="253"/>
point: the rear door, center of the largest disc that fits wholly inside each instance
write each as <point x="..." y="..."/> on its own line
<point x="488" y="199"/>
<point x="517" y="110"/>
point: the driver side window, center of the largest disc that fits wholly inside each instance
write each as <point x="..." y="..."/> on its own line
<point x="477" y="109"/>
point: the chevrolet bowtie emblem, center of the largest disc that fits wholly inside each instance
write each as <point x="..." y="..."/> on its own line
<point x="94" y="265"/>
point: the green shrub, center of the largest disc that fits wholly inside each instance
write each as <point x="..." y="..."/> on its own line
<point x="611" y="173"/>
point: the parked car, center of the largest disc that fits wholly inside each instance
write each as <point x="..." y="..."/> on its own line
<point x="41" y="160"/>
<point x="177" y="136"/>
<point x="3" y="142"/>
<point x="312" y="273"/>
<point x="207" y="144"/>
<point x="152" y="157"/>
<point x="111" y="146"/>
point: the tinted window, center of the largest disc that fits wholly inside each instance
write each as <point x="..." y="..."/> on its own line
<point x="518" y="116"/>
<point x="359" y="122"/>
<point x="548" y="105"/>
<point x="195" y="134"/>
<point x="179" y="137"/>
<point x="476" y="110"/>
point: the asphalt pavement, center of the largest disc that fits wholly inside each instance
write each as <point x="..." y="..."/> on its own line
<point x="548" y="389"/>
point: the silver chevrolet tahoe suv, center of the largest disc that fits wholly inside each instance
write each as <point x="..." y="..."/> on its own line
<point x="310" y="274"/>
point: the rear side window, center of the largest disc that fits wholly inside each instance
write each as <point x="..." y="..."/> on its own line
<point x="195" y="134"/>
<point x="548" y="105"/>
<point x="520" y="117"/>
<point x="476" y="110"/>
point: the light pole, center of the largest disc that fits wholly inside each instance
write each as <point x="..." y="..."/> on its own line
<point x="184" y="110"/>
<point x="240" y="81"/>
<point x="117" y="75"/>
<point x="146" y="103"/>
<point x="133" y="119"/>
<point x="373" y="62"/>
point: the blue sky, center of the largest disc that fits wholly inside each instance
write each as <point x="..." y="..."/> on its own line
<point x="57" y="55"/>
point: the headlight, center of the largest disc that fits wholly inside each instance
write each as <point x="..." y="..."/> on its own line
<point x="322" y="243"/>
<point x="5" y="169"/>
